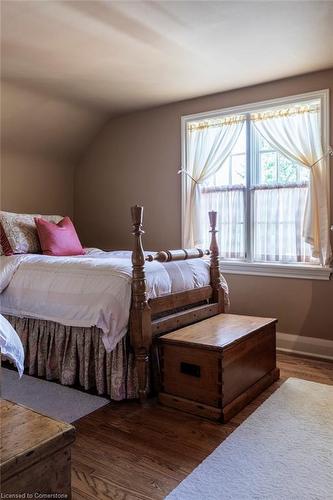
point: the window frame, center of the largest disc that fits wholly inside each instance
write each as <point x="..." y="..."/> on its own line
<point x="248" y="267"/>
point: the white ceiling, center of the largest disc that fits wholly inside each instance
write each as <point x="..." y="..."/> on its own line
<point x="119" y="56"/>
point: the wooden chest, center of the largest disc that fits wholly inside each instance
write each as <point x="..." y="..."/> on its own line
<point x="35" y="452"/>
<point x="215" y="367"/>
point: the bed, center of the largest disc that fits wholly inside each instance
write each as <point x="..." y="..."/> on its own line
<point x="92" y="320"/>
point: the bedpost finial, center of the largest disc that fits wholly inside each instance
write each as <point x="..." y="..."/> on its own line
<point x="212" y="220"/>
<point x="137" y="215"/>
<point x="214" y="249"/>
<point x="137" y="220"/>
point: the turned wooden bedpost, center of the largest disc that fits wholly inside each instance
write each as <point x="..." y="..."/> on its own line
<point x="215" y="275"/>
<point x="140" y="315"/>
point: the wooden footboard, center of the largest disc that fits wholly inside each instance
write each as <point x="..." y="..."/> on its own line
<point x="150" y="318"/>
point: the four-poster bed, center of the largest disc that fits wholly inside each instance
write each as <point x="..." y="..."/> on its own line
<point x="91" y="320"/>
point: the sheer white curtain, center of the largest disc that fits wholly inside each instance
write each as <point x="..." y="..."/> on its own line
<point x="297" y="134"/>
<point x="208" y="145"/>
<point x="229" y="202"/>
<point x="277" y="224"/>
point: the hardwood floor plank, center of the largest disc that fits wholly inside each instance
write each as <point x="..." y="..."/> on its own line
<point x="125" y="451"/>
<point x="78" y="495"/>
<point x="98" y="485"/>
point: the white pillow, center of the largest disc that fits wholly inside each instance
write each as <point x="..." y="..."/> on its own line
<point x="11" y="345"/>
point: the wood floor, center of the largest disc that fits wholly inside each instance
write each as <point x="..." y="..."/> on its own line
<point x="126" y="451"/>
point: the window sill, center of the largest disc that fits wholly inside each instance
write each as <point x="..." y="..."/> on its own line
<point x="277" y="270"/>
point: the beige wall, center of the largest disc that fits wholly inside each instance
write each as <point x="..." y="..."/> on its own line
<point x="42" y="138"/>
<point x="135" y="160"/>
<point x="35" y="184"/>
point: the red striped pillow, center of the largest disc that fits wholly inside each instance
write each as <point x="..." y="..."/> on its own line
<point x="4" y="243"/>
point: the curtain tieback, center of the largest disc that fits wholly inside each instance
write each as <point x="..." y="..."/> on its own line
<point x="183" y="171"/>
<point x="329" y="152"/>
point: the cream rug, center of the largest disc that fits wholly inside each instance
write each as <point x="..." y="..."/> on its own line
<point x="283" y="451"/>
<point x="48" y="398"/>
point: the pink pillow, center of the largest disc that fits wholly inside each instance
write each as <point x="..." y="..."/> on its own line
<point x="58" y="239"/>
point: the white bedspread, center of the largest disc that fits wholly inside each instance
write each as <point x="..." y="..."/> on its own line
<point x="11" y="345"/>
<point x="89" y="290"/>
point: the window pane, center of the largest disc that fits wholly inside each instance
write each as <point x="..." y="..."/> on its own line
<point x="278" y="222"/>
<point x="238" y="169"/>
<point x="275" y="168"/>
<point x="230" y="205"/>
<point x="268" y="167"/>
<point x="287" y="170"/>
<point x="240" y="146"/>
<point x="263" y="144"/>
<point x="304" y="174"/>
<point x="233" y="170"/>
<point x="278" y="200"/>
<point x="222" y="178"/>
<point x="222" y="192"/>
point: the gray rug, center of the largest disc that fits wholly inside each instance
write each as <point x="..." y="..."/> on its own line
<point x="48" y="398"/>
<point x="283" y="451"/>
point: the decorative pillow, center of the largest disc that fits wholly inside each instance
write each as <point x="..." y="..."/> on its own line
<point x="5" y="245"/>
<point x="58" y="239"/>
<point x="18" y="232"/>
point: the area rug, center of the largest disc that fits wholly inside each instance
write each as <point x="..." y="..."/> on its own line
<point x="48" y="398"/>
<point x="283" y="451"/>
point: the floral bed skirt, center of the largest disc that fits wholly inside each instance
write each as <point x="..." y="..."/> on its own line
<point x="77" y="356"/>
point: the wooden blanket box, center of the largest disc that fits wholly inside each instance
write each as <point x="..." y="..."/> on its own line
<point x="35" y="458"/>
<point x="215" y="367"/>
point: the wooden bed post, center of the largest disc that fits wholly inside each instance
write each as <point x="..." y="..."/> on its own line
<point x="140" y="314"/>
<point x="215" y="274"/>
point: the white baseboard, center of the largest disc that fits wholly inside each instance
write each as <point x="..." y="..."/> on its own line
<point x="306" y="346"/>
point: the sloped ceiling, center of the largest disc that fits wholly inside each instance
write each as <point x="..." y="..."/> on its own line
<point x="40" y="123"/>
<point x="68" y="65"/>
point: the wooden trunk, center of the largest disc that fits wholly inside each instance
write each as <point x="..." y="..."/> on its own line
<point x="215" y="367"/>
<point x="35" y="452"/>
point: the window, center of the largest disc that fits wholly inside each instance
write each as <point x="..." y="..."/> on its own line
<point x="259" y="190"/>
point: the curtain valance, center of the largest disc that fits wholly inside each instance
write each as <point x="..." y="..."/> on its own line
<point x="284" y="112"/>
<point x="217" y="122"/>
